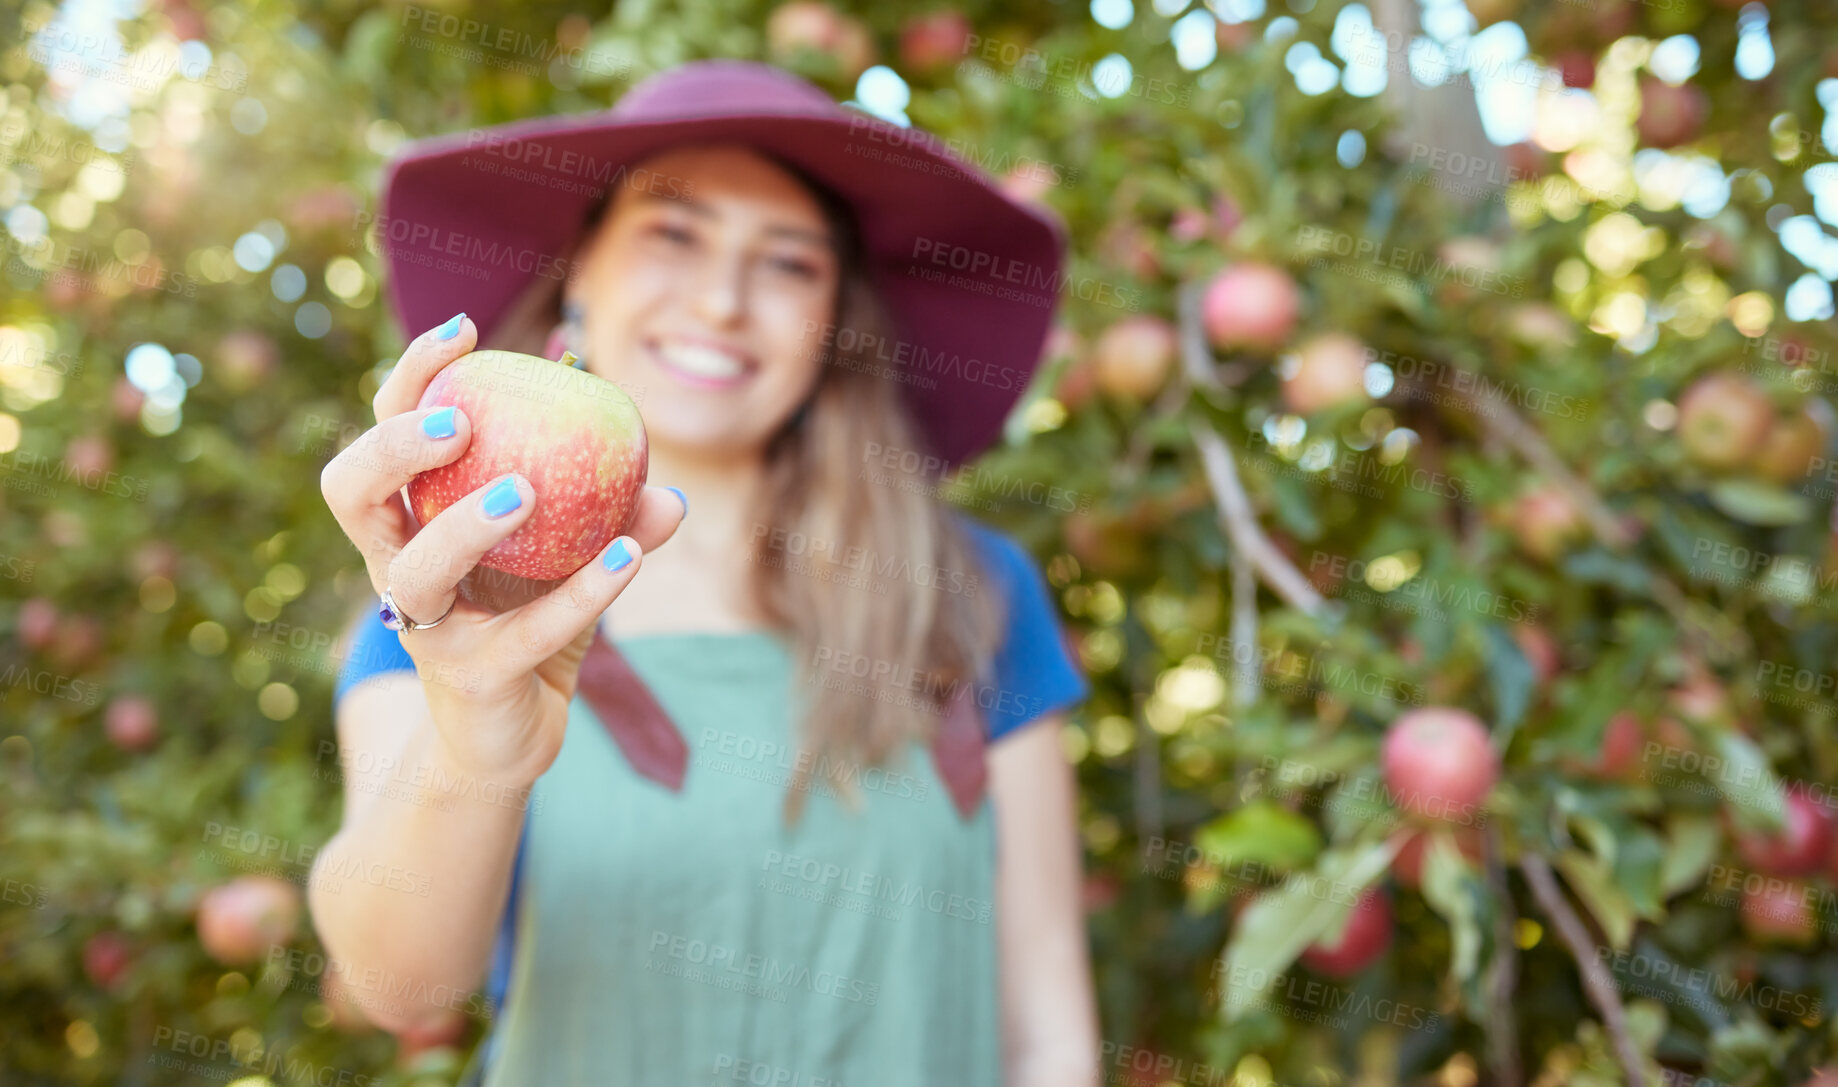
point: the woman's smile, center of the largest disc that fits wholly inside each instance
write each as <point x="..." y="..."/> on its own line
<point x="700" y="363"/>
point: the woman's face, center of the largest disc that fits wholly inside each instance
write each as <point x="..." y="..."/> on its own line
<point x="709" y="302"/>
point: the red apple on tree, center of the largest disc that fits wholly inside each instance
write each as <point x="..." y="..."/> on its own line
<point x="1132" y="358"/>
<point x="811" y="26"/>
<point x="1545" y="522"/>
<point x="1791" y="447"/>
<point x="1723" y="418"/>
<point x="1778" y="912"/>
<point x="1799" y="848"/>
<point x="1325" y="372"/>
<point x="934" y="40"/>
<point x="1670" y="115"/>
<point x="1439" y="763"/>
<point x="575" y="436"/>
<point x="240" y="920"/>
<point x="106" y="958"/>
<point x="1407" y="865"/>
<point x="1365" y="938"/>
<point x="1250" y="305"/>
<point x="1622" y="740"/>
<point x="1540" y="649"/>
<point x="37" y="623"/>
<point x="1576" y="67"/>
<point x="131" y="722"/>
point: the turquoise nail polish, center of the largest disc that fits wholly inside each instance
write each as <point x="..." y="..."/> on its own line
<point x="439" y="424"/>
<point x="685" y="498"/>
<point x="502" y="499"/>
<point x="617" y="557"/>
<point x="451" y="328"/>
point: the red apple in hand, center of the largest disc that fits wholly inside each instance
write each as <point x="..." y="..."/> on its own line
<point x="1723" y="420"/>
<point x="1439" y="763"/>
<point x="1799" y="848"/>
<point x="576" y="437"/>
<point x="1329" y="370"/>
<point x="1250" y="305"/>
<point x="1367" y="935"/>
<point x="240" y="920"/>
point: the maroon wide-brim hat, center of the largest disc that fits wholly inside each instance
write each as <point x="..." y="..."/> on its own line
<point x="969" y="277"/>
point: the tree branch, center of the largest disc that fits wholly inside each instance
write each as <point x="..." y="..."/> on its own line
<point x="1596" y="980"/>
<point x="1503" y="976"/>
<point x="1529" y="444"/>
<point x="1234" y="505"/>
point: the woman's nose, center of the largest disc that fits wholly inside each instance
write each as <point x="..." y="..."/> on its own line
<point x="721" y="294"/>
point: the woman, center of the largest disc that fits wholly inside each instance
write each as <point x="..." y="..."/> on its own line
<point x="790" y="807"/>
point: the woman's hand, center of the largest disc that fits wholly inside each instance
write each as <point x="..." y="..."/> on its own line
<point x="500" y="671"/>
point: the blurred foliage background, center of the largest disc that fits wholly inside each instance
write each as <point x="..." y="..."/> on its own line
<point x="1366" y="400"/>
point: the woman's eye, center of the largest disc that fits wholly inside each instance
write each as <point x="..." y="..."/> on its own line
<point x="673" y="233"/>
<point x="803" y="269"/>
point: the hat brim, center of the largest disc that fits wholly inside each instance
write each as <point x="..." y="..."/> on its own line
<point x="970" y="277"/>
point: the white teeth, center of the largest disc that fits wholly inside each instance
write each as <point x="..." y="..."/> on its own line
<point x="701" y="361"/>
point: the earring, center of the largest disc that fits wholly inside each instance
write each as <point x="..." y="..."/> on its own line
<point x="572" y="336"/>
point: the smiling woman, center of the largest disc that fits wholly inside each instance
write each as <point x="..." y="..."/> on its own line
<point x="782" y="809"/>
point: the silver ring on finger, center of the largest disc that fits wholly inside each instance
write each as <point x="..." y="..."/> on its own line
<point x="397" y="620"/>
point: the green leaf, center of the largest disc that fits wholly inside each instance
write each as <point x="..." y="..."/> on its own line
<point x="1605" y="568"/>
<point x="1277" y="927"/>
<point x="1452" y="888"/>
<point x="1261" y="832"/>
<point x="1745" y="779"/>
<point x="1759" y="504"/>
<point x="1511" y="677"/>
<point x="1595" y="885"/>
<point x="1692" y="841"/>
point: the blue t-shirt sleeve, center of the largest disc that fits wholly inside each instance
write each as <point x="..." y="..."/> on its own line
<point x="374" y="649"/>
<point x="1034" y="672"/>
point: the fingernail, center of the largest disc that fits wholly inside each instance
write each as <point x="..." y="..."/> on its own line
<point x="439" y="423"/>
<point x="617" y="557"/>
<point x="502" y="499"/>
<point x="681" y="496"/>
<point x="451" y="328"/>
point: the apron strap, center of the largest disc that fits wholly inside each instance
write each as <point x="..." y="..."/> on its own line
<point x="652" y="744"/>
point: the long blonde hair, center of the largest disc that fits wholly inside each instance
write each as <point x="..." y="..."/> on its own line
<point x="924" y="637"/>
